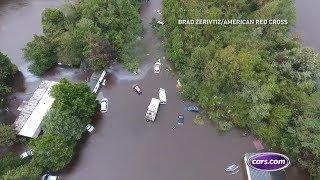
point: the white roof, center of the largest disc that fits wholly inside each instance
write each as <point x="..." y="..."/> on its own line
<point x="28" y="123"/>
<point x="154" y="104"/>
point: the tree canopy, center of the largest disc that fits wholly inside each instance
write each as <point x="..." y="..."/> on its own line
<point x="26" y="171"/>
<point x="7" y="135"/>
<point x="92" y="32"/>
<point x="64" y="123"/>
<point x="7" y="70"/>
<point x="256" y="77"/>
<point x="51" y="152"/>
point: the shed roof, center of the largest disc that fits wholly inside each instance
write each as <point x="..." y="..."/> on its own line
<point x="32" y="113"/>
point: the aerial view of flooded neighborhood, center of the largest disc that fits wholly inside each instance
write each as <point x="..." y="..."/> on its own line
<point x="159" y="90"/>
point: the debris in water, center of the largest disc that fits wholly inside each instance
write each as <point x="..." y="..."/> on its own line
<point x="234" y="172"/>
<point x="231" y="168"/>
<point x="198" y="120"/>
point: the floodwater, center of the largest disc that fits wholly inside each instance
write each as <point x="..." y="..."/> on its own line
<point x="307" y="25"/>
<point x="124" y="146"/>
<point x="19" y="20"/>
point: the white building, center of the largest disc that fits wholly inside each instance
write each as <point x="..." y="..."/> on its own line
<point x="28" y="123"/>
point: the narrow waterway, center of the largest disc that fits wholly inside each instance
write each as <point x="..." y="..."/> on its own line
<point x="124" y="146"/>
<point x="308" y="26"/>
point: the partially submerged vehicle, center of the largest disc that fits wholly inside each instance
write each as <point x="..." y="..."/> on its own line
<point x="193" y="109"/>
<point x="89" y="128"/>
<point x="156" y="68"/>
<point x="231" y="168"/>
<point x="49" y="177"/>
<point x="103" y="83"/>
<point x="160" y="22"/>
<point x="152" y="109"/>
<point x="137" y="89"/>
<point x="104" y="105"/>
<point x="26" y="154"/>
<point x="180" y="119"/>
<point x="162" y="96"/>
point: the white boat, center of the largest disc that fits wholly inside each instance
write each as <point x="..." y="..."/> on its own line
<point x="232" y="167"/>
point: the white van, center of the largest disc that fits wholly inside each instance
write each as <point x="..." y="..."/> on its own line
<point x="104" y="105"/>
<point x="162" y="96"/>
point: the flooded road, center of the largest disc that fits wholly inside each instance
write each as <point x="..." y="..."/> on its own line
<point x="124" y="146"/>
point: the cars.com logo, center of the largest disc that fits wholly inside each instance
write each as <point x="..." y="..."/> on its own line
<point x="269" y="161"/>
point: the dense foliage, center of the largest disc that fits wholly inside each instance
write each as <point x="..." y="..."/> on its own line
<point x="91" y="32"/>
<point x="256" y="77"/>
<point x="63" y="123"/>
<point x="41" y="53"/>
<point x="11" y="161"/>
<point x="27" y="171"/>
<point x="51" y="152"/>
<point x="7" y="70"/>
<point x="7" y="135"/>
<point x="73" y="108"/>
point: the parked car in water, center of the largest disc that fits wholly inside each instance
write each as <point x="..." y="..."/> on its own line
<point x="180" y="120"/>
<point x="137" y="89"/>
<point x="26" y="154"/>
<point x="162" y="96"/>
<point x="193" y="109"/>
<point x="89" y="128"/>
<point x="156" y="68"/>
<point x="49" y="177"/>
<point x="104" y="105"/>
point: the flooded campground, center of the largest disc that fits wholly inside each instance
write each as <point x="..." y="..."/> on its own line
<point x="124" y="146"/>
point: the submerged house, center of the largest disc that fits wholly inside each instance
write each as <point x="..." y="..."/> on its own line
<point x="28" y="123"/>
<point x="254" y="174"/>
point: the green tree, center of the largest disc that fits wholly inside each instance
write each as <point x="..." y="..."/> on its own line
<point x="24" y="172"/>
<point x="77" y="98"/>
<point x="307" y="138"/>
<point x="10" y="161"/>
<point x="53" y="22"/>
<point x="7" y="70"/>
<point x="62" y="123"/>
<point x="41" y="53"/>
<point x="7" y="135"/>
<point x="51" y="152"/>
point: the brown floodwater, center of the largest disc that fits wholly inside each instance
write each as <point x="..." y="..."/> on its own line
<point x="124" y="146"/>
<point x="19" y="20"/>
<point x="307" y="25"/>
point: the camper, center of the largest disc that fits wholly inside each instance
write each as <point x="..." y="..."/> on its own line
<point x="152" y="109"/>
<point x="162" y="96"/>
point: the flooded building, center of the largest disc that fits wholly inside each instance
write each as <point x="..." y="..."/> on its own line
<point x="28" y="123"/>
